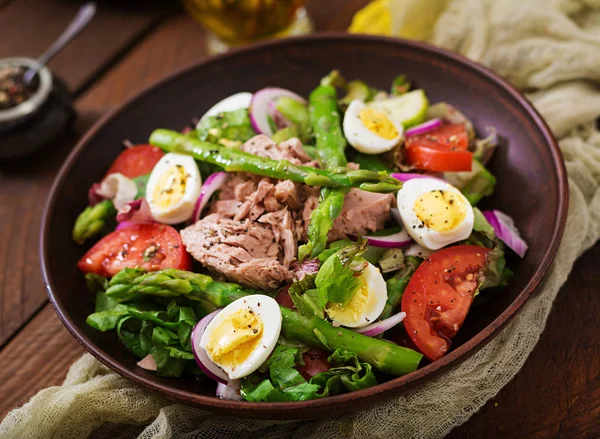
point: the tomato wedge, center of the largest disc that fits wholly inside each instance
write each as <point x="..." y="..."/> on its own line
<point x="435" y="159"/>
<point x="136" y="161"/>
<point x="150" y="246"/>
<point x="453" y="137"/>
<point x="439" y="295"/>
<point x="441" y="150"/>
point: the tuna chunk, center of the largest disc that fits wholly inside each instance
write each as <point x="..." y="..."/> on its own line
<point x="363" y="213"/>
<point x="245" y="252"/>
<point x="284" y="230"/>
<point x="290" y="150"/>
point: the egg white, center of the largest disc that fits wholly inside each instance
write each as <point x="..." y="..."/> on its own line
<point x="425" y="236"/>
<point x="362" y="138"/>
<point x="230" y="103"/>
<point x="183" y="209"/>
<point x="267" y="309"/>
<point x="376" y="299"/>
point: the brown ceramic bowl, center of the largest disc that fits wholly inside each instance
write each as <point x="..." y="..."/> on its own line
<point x="532" y="188"/>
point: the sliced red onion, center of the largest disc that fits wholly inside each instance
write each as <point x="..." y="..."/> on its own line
<point x="210" y="186"/>
<point x="148" y="363"/>
<point x="379" y="327"/>
<point x="505" y="230"/>
<point x="396" y="240"/>
<point x="230" y="391"/>
<point x="307" y="267"/>
<point x="137" y="211"/>
<point x="259" y="107"/>
<point x="406" y="176"/>
<point x="93" y="196"/>
<point x="280" y="120"/>
<point x="204" y="362"/>
<point x="423" y="128"/>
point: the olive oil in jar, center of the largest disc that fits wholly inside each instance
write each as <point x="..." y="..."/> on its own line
<point x="236" y="22"/>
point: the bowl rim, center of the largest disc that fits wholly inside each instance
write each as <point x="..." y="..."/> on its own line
<point x="289" y="410"/>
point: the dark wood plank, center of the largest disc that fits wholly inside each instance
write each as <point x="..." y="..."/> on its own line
<point x="179" y="42"/>
<point x="28" y="27"/>
<point x="23" y="371"/>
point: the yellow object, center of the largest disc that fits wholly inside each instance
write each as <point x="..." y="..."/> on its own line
<point x="374" y="18"/>
<point x="378" y="123"/>
<point x="354" y="309"/>
<point x="232" y="342"/>
<point x="413" y="19"/>
<point x="440" y="210"/>
<point x="170" y="187"/>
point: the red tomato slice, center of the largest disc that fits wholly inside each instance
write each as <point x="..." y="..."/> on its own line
<point x="315" y="362"/>
<point x="439" y="295"/>
<point x="453" y="137"/>
<point x="149" y="246"/>
<point x="441" y="150"/>
<point x="136" y="161"/>
<point x="436" y="159"/>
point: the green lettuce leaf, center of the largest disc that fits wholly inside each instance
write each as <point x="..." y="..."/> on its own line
<point x="474" y="185"/>
<point x="496" y="273"/>
<point x="282" y="381"/>
<point x="150" y="327"/>
<point x="370" y="162"/>
<point x="336" y="282"/>
<point x="397" y="284"/>
<point x="229" y="128"/>
<point x="141" y="182"/>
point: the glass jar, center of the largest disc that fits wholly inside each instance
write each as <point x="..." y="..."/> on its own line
<point x="237" y="22"/>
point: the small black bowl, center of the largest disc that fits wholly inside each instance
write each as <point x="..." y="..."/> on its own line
<point x="30" y="125"/>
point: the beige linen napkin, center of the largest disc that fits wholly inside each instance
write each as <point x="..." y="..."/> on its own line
<point x="549" y="48"/>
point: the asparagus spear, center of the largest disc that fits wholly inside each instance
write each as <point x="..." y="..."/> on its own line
<point x="233" y="160"/>
<point x="392" y="359"/>
<point x="396" y="286"/>
<point x="331" y="142"/>
<point x="92" y="220"/>
<point x="385" y="356"/>
<point x="131" y="283"/>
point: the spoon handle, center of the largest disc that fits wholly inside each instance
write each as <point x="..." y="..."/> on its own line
<point x="81" y="20"/>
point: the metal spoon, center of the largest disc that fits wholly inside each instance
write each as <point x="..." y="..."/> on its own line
<point x="81" y="20"/>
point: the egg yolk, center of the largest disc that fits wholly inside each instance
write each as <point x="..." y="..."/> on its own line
<point x="352" y="312"/>
<point x="170" y="187"/>
<point x="378" y="123"/>
<point x="232" y="342"/>
<point x="440" y="210"/>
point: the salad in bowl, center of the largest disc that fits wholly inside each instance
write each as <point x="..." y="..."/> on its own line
<point x="294" y="248"/>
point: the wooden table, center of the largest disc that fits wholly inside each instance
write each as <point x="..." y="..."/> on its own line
<point x="127" y="48"/>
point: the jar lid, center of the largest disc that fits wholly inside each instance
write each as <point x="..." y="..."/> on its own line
<point x="36" y="100"/>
